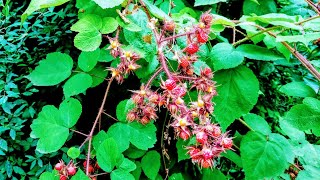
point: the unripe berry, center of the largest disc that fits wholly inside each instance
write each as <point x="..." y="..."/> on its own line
<point x="169" y="26"/>
<point x="144" y="120"/>
<point x="170" y="84"/>
<point x="216" y="131"/>
<point x="207" y="153"/>
<point x="202" y="137"/>
<point x="202" y="37"/>
<point x="192" y="48"/>
<point x="63" y="177"/>
<point x="206" y="18"/>
<point x="184" y="134"/>
<point x="131" y="116"/>
<point x="227" y="143"/>
<point x="184" y="63"/>
<point x="90" y="169"/>
<point x="206" y="163"/>
<point x="59" y="166"/>
<point x="71" y="170"/>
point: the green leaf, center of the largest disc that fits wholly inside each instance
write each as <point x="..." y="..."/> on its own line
<point x="297" y="89"/>
<point x="264" y="7"/>
<point x="131" y="26"/>
<point x="234" y="157"/>
<point x="88" y="60"/>
<point x="257" y="53"/>
<point x="108" y="154"/>
<point x="257" y="123"/>
<point x="120" y="174"/>
<point x="52" y="70"/>
<point x="305" y="116"/>
<point x="108" y="4"/>
<point x="305" y="38"/>
<point x="221" y="20"/>
<point x="181" y="150"/>
<point x="88" y="41"/>
<point x="70" y="111"/>
<point x="73" y="152"/>
<point x="98" y="75"/>
<point x="225" y="56"/>
<point x="156" y="11"/>
<point x="77" y="84"/>
<point x="212" y="174"/>
<point x="134" y="153"/>
<point x="151" y="164"/>
<point x="176" y="176"/>
<point x="137" y="173"/>
<point x="38" y="4"/>
<point x="123" y="108"/>
<point x="207" y="2"/>
<point x="99" y="138"/>
<point x="109" y="25"/>
<point x="263" y="156"/>
<point x="238" y="93"/>
<point x="80" y="175"/>
<point x="3" y="145"/>
<point x="198" y="66"/>
<point x="88" y="23"/>
<point x="127" y="165"/>
<point x="309" y="172"/>
<point x="51" y="118"/>
<point x="49" y="176"/>
<point x="292" y="132"/>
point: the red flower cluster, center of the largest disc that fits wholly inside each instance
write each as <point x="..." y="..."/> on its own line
<point x="65" y="170"/>
<point x="128" y="60"/>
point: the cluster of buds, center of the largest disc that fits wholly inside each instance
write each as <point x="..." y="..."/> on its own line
<point x="65" y="171"/>
<point x="92" y="167"/>
<point x="146" y="105"/>
<point x="128" y="60"/>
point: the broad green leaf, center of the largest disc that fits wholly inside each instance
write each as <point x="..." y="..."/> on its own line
<point x="3" y="145"/>
<point x="49" y="118"/>
<point x="263" y="156"/>
<point x="305" y="116"/>
<point x="225" y="56"/>
<point x="309" y="172"/>
<point x="212" y="174"/>
<point x="137" y="172"/>
<point x="38" y="4"/>
<point x="108" y="154"/>
<point x="207" y="2"/>
<point x="80" y="175"/>
<point x="264" y="7"/>
<point x="198" y="66"/>
<point x="234" y="157"/>
<point x="176" y="176"/>
<point x="151" y="164"/>
<point x="49" y="176"/>
<point x="305" y="38"/>
<point x="88" y="41"/>
<point x="98" y="75"/>
<point x="70" y="111"/>
<point x="88" y="60"/>
<point x="120" y="174"/>
<point x="257" y="53"/>
<point x="270" y="42"/>
<point x="99" y="138"/>
<point x="238" y="93"/>
<point x="222" y="20"/>
<point x="292" y="132"/>
<point x="88" y="23"/>
<point x="156" y="11"/>
<point x="123" y="108"/>
<point x="257" y="123"/>
<point x="127" y="165"/>
<point x="269" y="18"/>
<point x="134" y="153"/>
<point x="308" y="154"/>
<point x="121" y="133"/>
<point x="108" y="4"/>
<point x="297" y="89"/>
<point x="131" y="26"/>
<point x="181" y="149"/>
<point x="109" y="25"/>
<point x="77" y="84"/>
<point x="52" y="70"/>
<point x="73" y="152"/>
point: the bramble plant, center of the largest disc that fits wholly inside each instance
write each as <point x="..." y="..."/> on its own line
<point x="188" y="71"/>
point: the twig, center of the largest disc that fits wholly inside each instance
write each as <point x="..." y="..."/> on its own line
<point x="79" y="132"/>
<point x="110" y="116"/>
<point x="313" y="6"/>
<point x="176" y="36"/>
<point x="153" y="77"/>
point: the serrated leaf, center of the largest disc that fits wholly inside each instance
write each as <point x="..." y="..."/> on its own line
<point x="70" y="111"/>
<point x="260" y="152"/>
<point x="52" y="70"/>
<point x="292" y="132"/>
<point x="88" y="23"/>
<point x="305" y="38"/>
<point x="309" y="172"/>
<point x="73" y="152"/>
<point x="108" y="154"/>
<point x="98" y="75"/>
<point x="88" y="60"/>
<point x="120" y="174"/>
<point x="49" y="176"/>
<point x="264" y="7"/>
<point x="152" y="157"/>
<point x="134" y="153"/>
<point x="108" y="4"/>
<point x="123" y="108"/>
<point x="88" y="41"/>
<point x="80" y="175"/>
<point x="297" y="89"/>
<point x="35" y="5"/>
<point x="99" y="138"/>
<point x="77" y="84"/>
<point x="109" y="25"/>
<point x="207" y="2"/>
<point x="238" y="93"/>
<point x="257" y="123"/>
<point x="305" y="116"/>
<point x="257" y="53"/>
<point x="127" y="165"/>
<point x="131" y="26"/>
<point x="156" y="11"/>
<point x="225" y="56"/>
<point x="212" y="174"/>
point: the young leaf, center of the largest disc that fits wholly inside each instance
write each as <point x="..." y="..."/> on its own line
<point x="108" y="154"/>
<point x="257" y="53"/>
<point x="120" y="174"/>
<point x="70" y="111"/>
<point x="238" y="93"/>
<point x="127" y="165"/>
<point x="88" y="23"/>
<point x="88" y="41"/>
<point x="52" y="70"/>
<point x="73" y="152"/>
<point x="109" y="25"/>
<point x="77" y="84"/>
<point x="151" y="164"/>
<point x="263" y="156"/>
<point x="88" y="60"/>
<point x="225" y="56"/>
<point x="297" y="89"/>
<point x="99" y="138"/>
<point x="156" y="11"/>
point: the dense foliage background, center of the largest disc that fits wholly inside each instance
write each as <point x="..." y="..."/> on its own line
<point x="54" y="55"/>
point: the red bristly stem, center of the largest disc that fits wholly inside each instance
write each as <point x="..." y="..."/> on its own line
<point x="153" y="77"/>
<point x="185" y="77"/>
<point x="95" y="124"/>
<point x="176" y="36"/>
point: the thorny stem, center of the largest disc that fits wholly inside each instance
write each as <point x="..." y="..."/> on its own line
<point x="153" y="77"/>
<point x="313" y="6"/>
<point x="185" y="77"/>
<point x="79" y="132"/>
<point x="95" y="124"/>
<point x="164" y="64"/>
<point x="110" y="116"/>
<point x="176" y="36"/>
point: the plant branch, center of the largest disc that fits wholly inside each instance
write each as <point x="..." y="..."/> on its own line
<point x="79" y="132"/>
<point x="95" y="123"/>
<point x="313" y="6"/>
<point x="176" y="36"/>
<point x="110" y="116"/>
<point x="153" y="77"/>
